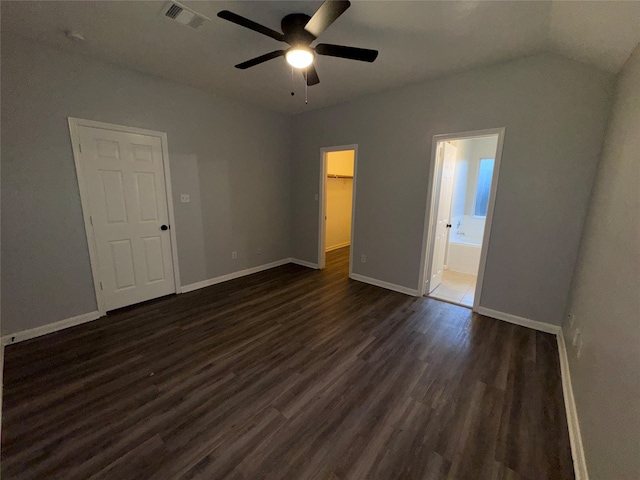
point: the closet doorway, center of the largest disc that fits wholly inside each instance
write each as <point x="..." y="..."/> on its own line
<point x="337" y="200"/>
<point x="465" y="170"/>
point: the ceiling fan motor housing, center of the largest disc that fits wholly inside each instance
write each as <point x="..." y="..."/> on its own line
<point x="293" y="28"/>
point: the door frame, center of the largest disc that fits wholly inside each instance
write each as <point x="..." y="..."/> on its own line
<point x="431" y="207"/>
<point x="74" y="124"/>
<point x="322" y="207"/>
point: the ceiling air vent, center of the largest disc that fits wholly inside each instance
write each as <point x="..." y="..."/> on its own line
<point x="174" y="11"/>
<point x="183" y="15"/>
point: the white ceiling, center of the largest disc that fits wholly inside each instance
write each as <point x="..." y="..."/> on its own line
<point x="417" y="40"/>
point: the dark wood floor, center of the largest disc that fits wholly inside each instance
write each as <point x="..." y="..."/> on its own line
<point x="289" y="373"/>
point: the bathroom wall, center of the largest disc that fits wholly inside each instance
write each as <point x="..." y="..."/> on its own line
<point x="465" y="237"/>
<point x="464" y="185"/>
<point x="339" y="199"/>
<point x="460" y="180"/>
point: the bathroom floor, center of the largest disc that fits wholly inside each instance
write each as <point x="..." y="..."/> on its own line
<point x="456" y="287"/>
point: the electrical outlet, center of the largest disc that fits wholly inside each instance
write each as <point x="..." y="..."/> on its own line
<point x="259" y="251"/>
<point x="234" y="255"/>
<point x="184" y="198"/>
<point x="363" y="259"/>
<point x="576" y="337"/>
<point x="572" y="320"/>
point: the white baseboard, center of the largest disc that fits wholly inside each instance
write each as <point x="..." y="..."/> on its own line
<point x="304" y="263"/>
<point x="88" y="317"/>
<point x="524" y="322"/>
<point x="575" y="437"/>
<point x="389" y="286"/>
<point x="336" y="247"/>
<point x="233" y="275"/>
<point x="1" y="389"/>
<point x="49" y="328"/>
<point x="577" y="450"/>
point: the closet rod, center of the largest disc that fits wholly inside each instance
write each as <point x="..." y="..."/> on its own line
<point x="339" y="176"/>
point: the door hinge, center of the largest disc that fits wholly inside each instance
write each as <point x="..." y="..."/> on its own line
<point x="91" y="220"/>
<point x="101" y="286"/>
<point x="80" y="147"/>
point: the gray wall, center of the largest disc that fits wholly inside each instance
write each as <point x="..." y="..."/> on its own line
<point x="252" y="189"/>
<point x="554" y="111"/>
<point x="232" y="159"/>
<point x="605" y="298"/>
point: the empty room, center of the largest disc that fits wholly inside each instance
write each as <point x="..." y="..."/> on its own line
<point x="320" y="240"/>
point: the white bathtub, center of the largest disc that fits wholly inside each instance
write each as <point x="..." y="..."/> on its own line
<point x="463" y="254"/>
<point x="466" y="240"/>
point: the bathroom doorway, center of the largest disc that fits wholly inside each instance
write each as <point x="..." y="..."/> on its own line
<point x="337" y="192"/>
<point x="465" y="174"/>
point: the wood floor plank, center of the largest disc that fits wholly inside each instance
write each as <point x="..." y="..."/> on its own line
<point x="289" y="373"/>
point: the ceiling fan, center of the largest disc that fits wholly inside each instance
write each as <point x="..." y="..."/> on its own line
<point x="300" y="31"/>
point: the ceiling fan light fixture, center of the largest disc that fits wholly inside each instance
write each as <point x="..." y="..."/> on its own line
<point x="299" y="31"/>
<point x="299" y="57"/>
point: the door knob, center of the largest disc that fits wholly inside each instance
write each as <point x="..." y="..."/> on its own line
<point x="164" y="227"/>
<point x="448" y="225"/>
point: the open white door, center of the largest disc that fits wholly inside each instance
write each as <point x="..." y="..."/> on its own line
<point x="126" y="190"/>
<point x="446" y="164"/>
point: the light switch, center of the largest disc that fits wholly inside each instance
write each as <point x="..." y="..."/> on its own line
<point x="184" y="198"/>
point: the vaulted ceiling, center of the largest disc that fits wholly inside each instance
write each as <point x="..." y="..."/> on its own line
<point x="417" y="40"/>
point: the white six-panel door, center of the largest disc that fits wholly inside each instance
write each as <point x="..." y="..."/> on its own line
<point x="125" y="185"/>
<point x="447" y="165"/>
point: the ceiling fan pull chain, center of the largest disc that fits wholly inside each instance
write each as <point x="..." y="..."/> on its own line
<point x="306" y="89"/>
<point x="292" y="83"/>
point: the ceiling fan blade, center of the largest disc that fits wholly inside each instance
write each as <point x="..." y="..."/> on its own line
<point x="352" y="53"/>
<point x="250" y="24"/>
<point x="258" y="60"/>
<point x="328" y="12"/>
<point x="311" y="76"/>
